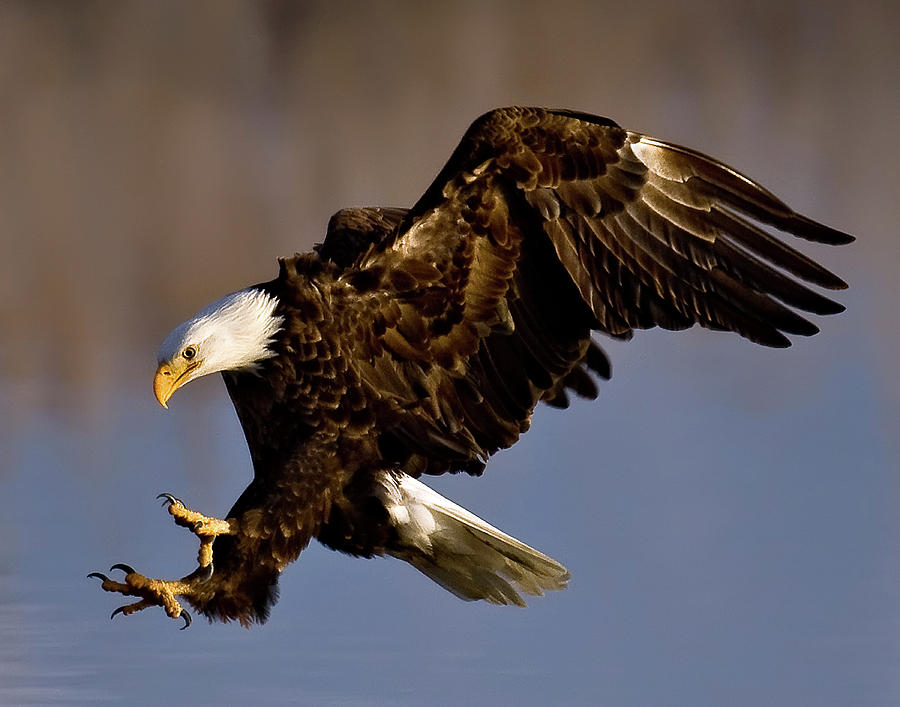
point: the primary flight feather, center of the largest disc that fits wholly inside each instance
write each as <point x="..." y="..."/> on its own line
<point x="418" y="341"/>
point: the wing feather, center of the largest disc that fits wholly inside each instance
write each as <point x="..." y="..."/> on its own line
<point x="351" y="232"/>
<point x="544" y="225"/>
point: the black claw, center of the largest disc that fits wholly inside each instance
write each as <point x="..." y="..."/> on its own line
<point x="203" y="574"/>
<point x="99" y="575"/>
<point x="127" y="569"/>
<point x="120" y="610"/>
<point x="207" y="574"/>
<point x="187" y="619"/>
<point x="170" y="500"/>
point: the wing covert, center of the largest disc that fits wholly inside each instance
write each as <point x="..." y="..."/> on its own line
<point x="352" y="231"/>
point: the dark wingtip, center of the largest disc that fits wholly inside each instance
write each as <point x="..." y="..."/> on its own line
<point x="837" y="237"/>
<point x="802" y="327"/>
<point x="821" y="305"/>
<point x="598" y="361"/>
<point x="805" y="227"/>
<point x="773" y="339"/>
<point x="837" y="284"/>
<point x="847" y="239"/>
<point x="831" y="236"/>
<point x="816" y="232"/>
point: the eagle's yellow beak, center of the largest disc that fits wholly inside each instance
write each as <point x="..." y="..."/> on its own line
<point x="169" y="377"/>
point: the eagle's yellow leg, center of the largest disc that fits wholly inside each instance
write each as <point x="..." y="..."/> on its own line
<point x="160" y="592"/>
<point x="204" y="527"/>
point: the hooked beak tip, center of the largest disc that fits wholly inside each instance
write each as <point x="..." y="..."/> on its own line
<point x="170" y="378"/>
<point x="163" y="386"/>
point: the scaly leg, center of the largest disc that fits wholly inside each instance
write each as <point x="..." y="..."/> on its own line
<point x="204" y="527"/>
<point x="158" y="592"/>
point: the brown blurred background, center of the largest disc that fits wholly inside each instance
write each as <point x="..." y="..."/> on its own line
<point x="156" y="155"/>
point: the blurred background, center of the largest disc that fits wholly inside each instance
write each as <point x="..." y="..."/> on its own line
<point x="729" y="513"/>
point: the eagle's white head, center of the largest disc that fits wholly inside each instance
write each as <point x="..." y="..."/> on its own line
<point x="232" y="334"/>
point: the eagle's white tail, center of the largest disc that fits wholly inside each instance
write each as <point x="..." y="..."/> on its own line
<point x="461" y="552"/>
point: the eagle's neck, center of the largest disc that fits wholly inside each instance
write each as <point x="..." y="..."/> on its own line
<point x="233" y="334"/>
<point x="288" y="396"/>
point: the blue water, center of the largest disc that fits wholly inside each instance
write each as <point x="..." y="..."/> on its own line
<point x="721" y="554"/>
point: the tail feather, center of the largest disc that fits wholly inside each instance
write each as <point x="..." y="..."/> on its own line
<point x="461" y="552"/>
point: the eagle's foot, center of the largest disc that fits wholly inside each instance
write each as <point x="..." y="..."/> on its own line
<point x="159" y="592"/>
<point x="204" y="527"/>
<point x="152" y="592"/>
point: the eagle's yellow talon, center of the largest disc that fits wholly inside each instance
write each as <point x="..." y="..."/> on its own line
<point x="162" y="593"/>
<point x="153" y="592"/>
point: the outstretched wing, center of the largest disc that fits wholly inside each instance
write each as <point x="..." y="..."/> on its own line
<point x="652" y="233"/>
<point x="542" y="226"/>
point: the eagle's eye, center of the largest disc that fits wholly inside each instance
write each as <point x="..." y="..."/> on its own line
<point x="189" y="352"/>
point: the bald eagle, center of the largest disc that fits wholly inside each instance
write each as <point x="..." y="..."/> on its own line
<point x="419" y="341"/>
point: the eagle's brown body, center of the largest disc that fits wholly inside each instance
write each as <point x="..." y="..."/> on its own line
<point x="419" y="341"/>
